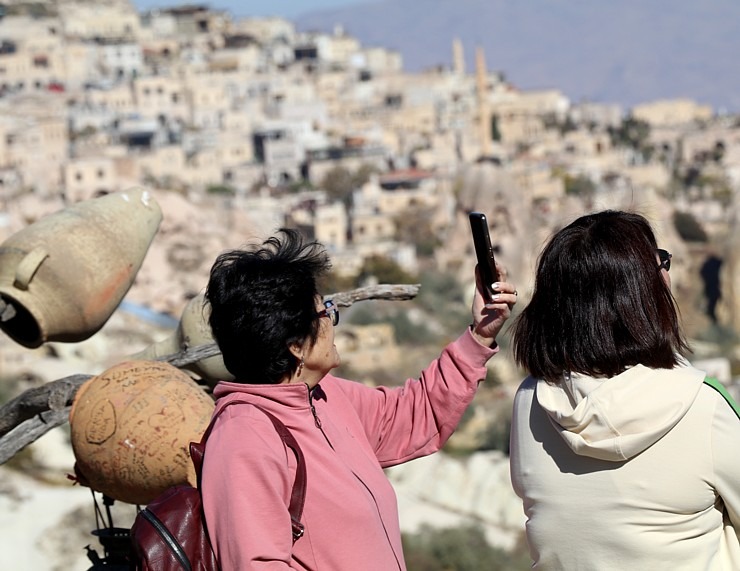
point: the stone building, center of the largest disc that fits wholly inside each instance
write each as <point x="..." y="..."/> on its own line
<point x="33" y="141"/>
<point x="671" y="112"/>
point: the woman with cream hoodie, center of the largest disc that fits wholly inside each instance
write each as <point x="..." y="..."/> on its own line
<point x="623" y="457"/>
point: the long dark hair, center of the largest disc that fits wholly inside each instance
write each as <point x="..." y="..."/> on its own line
<point x="600" y="304"/>
<point x="262" y="300"/>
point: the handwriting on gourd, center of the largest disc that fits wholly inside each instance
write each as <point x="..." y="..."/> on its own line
<point x="142" y="434"/>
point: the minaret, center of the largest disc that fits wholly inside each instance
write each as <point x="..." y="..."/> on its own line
<point x="458" y="57"/>
<point x="484" y="114"/>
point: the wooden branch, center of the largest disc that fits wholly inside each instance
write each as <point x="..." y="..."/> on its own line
<point x="391" y="292"/>
<point x="55" y="395"/>
<point x="191" y="355"/>
<point x="33" y="413"/>
<point x="30" y="431"/>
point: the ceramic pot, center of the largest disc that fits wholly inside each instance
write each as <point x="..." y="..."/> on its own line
<point x="192" y="331"/>
<point x="131" y="428"/>
<point x="62" y="277"/>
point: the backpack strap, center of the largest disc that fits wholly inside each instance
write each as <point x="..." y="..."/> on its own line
<point x="297" y="496"/>
<point x="720" y="388"/>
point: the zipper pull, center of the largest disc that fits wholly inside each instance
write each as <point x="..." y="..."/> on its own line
<point x="316" y="420"/>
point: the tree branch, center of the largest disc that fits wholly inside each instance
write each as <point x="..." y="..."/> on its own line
<point x="29" y="431"/>
<point x="33" y="413"/>
<point x="391" y="292"/>
<point x="53" y="396"/>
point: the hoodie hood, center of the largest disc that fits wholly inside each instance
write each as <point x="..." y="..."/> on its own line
<point x="615" y="419"/>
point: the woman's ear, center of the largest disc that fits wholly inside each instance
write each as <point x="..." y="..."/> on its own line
<point x="296" y="349"/>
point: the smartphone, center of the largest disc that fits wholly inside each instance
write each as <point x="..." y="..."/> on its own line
<point x="483" y="251"/>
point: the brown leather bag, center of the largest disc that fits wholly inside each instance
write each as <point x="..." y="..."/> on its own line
<point x="170" y="532"/>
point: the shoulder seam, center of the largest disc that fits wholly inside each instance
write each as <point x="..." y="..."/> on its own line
<point x="722" y="390"/>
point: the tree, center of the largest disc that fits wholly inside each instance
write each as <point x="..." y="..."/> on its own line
<point x="458" y="549"/>
<point x="338" y="184"/>
<point x="634" y="134"/>
<point x="495" y="131"/>
<point x="363" y="174"/>
<point x="688" y="227"/>
<point x="718" y="153"/>
<point x="579" y="185"/>
<point x="413" y="226"/>
<point x="385" y="271"/>
<point x="222" y="189"/>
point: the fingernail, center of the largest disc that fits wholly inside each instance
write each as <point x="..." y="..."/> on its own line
<point x="495" y="286"/>
<point x="495" y="297"/>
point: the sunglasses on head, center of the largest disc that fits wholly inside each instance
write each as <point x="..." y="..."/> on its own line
<point x="665" y="259"/>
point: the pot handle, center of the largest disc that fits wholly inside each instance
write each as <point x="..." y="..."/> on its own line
<point x="28" y="266"/>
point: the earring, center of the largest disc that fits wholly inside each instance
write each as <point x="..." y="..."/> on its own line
<point x="300" y="367"/>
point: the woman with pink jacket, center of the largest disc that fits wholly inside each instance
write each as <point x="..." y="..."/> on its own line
<point x="276" y="336"/>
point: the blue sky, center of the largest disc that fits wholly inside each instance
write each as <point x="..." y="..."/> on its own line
<point x="285" y="8"/>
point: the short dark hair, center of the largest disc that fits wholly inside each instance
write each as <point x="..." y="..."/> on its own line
<point x="600" y="304"/>
<point x="263" y="299"/>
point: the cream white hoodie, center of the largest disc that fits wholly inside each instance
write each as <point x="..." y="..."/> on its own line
<point x="640" y="471"/>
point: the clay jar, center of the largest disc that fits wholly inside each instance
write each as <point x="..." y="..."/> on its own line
<point x="192" y="331"/>
<point x="131" y="428"/>
<point x="62" y="277"/>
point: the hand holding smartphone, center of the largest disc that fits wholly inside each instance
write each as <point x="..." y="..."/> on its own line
<point x="483" y="252"/>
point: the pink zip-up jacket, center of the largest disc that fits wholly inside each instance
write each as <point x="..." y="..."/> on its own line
<point x="348" y="433"/>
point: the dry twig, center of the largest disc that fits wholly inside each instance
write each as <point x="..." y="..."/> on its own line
<point x="33" y="413"/>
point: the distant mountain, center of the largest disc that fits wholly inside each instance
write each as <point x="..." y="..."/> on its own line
<point x="624" y="51"/>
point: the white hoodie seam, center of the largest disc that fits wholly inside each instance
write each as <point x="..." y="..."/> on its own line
<point x="615" y="432"/>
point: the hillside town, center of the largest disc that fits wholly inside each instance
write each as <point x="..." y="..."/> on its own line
<point x="264" y="126"/>
<point x="241" y="126"/>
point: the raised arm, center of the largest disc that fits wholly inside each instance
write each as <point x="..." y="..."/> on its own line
<point x="418" y="418"/>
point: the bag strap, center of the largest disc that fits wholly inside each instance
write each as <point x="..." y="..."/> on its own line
<point x="297" y="496"/>
<point x="720" y="388"/>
